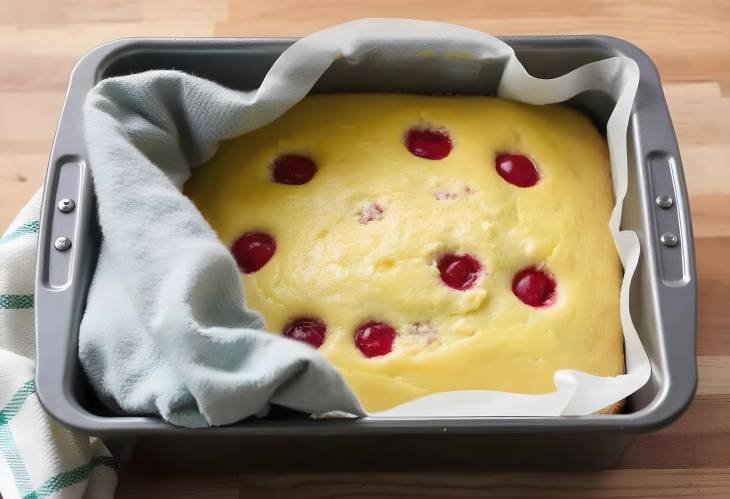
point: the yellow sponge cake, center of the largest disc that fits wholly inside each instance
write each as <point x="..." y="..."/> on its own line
<point x="426" y="244"/>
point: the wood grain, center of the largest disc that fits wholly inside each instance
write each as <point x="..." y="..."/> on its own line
<point x="40" y="40"/>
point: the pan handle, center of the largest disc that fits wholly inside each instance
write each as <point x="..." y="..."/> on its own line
<point x="666" y="273"/>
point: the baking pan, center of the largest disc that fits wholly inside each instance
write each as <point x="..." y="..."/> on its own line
<point x="662" y="299"/>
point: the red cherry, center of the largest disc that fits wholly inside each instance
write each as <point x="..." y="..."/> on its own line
<point x="458" y="271"/>
<point x="517" y="169"/>
<point x="374" y="339"/>
<point x="427" y="143"/>
<point x="306" y="329"/>
<point x="293" y="169"/>
<point x="252" y="250"/>
<point x="535" y="287"/>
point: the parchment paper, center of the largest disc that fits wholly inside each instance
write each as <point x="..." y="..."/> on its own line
<point x="456" y="47"/>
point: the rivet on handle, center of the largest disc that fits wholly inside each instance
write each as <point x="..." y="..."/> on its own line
<point x="66" y="205"/>
<point x="669" y="239"/>
<point x="665" y="202"/>
<point x="62" y="243"/>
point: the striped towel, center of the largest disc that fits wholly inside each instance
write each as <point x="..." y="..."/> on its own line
<point x="38" y="456"/>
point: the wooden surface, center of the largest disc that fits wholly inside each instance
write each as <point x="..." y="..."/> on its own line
<point x="690" y="42"/>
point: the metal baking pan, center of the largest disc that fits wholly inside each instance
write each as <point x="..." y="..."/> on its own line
<point x="663" y="294"/>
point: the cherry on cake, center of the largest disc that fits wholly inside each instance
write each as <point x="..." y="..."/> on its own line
<point x="425" y="244"/>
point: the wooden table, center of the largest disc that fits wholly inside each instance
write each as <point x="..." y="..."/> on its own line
<point x="690" y="42"/>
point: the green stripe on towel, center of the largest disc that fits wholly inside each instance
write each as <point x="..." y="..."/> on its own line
<point x="16" y="401"/>
<point x="68" y="478"/>
<point x="8" y="449"/>
<point x="26" y="228"/>
<point x="16" y="302"/>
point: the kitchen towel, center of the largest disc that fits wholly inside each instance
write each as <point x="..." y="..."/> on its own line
<point x="38" y="456"/>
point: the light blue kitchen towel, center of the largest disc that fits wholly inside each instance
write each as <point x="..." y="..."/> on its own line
<point x="166" y="331"/>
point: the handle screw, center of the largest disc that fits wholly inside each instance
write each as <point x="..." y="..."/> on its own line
<point x="62" y="243"/>
<point x="66" y="205"/>
<point x="664" y="201"/>
<point x="669" y="240"/>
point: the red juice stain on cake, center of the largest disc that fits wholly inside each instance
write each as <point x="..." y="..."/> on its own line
<point x="371" y="212"/>
<point x="517" y="169"/>
<point x="428" y="143"/>
<point x="444" y="194"/>
<point x="306" y="329"/>
<point x="535" y="287"/>
<point x="459" y="272"/>
<point x="374" y="339"/>
<point x="253" y="250"/>
<point x="293" y="169"/>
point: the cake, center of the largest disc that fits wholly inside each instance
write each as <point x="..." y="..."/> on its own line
<point x="426" y="243"/>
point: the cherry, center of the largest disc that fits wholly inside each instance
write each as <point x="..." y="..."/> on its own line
<point x="428" y="143"/>
<point x="374" y="339"/>
<point x="458" y="271"/>
<point x="535" y="287"/>
<point x="252" y="250"/>
<point x="517" y="169"/>
<point x="306" y="329"/>
<point x="293" y="169"/>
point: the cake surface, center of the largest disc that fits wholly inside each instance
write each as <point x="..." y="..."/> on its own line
<point x="426" y="244"/>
